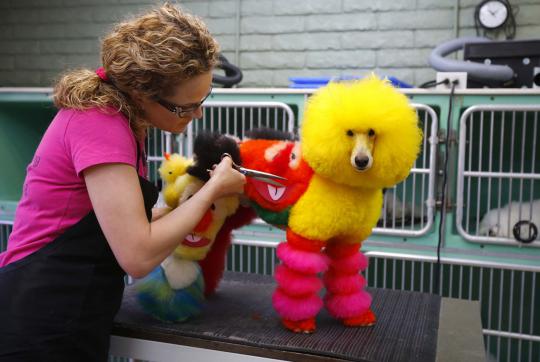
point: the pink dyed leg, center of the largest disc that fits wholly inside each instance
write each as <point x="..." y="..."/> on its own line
<point x="346" y="298"/>
<point x="296" y="298"/>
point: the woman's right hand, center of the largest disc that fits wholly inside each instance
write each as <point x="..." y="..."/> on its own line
<point x="226" y="180"/>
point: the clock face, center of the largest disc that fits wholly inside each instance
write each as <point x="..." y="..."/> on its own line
<point x="493" y="14"/>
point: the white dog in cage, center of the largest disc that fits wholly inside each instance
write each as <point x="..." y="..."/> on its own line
<point x="395" y="209"/>
<point x="500" y="222"/>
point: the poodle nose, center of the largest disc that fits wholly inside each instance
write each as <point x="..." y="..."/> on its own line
<point x="361" y="162"/>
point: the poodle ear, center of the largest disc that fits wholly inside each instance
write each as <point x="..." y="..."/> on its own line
<point x="208" y="150"/>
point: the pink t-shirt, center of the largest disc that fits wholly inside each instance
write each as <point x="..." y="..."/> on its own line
<point x="54" y="192"/>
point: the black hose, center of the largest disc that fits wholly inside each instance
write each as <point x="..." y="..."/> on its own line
<point x="233" y="74"/>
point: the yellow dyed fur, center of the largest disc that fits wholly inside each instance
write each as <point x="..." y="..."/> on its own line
<point x="348" y="126"/>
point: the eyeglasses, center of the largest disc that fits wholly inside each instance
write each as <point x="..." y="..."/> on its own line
<point x="182" y="111"/>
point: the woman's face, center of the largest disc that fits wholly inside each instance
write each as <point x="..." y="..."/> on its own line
<point x="187" y="96"/>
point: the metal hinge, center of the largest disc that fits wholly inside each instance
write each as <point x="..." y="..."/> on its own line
<point x="453" y="137"/>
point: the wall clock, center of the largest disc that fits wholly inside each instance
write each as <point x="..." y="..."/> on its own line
<point x="492" y="14"/>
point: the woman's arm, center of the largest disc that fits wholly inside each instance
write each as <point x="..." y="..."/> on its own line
<point x="159" y="212"/>
<point x="138" y="245"/>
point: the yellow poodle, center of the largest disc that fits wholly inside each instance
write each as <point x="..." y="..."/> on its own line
<point x="358" y="138"/>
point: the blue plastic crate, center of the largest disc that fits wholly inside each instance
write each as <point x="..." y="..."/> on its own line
<point x="317" y="82"/>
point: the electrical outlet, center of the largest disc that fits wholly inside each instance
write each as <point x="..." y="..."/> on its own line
<point x="461" y="77"/>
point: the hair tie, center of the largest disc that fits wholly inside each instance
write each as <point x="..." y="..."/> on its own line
<point x="102" y="75"/>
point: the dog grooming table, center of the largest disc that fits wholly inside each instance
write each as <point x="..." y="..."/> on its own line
<point x="239" y="324"/>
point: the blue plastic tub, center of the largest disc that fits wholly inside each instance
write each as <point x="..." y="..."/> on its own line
<point x="317" y="82"/>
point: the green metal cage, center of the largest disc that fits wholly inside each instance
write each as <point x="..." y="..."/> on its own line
<point x="490" y="138"/>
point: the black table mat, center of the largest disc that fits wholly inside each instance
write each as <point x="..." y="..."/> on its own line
<point x="241" y="315"/>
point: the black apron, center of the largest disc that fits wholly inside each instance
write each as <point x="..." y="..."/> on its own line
<point x="58" y="303"/>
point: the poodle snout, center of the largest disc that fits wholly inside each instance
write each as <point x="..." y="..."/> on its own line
<point x="361" y="155"/>
<point x="362" y="162"/>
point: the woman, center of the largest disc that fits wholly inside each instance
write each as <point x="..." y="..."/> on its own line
<point x="84" y="217"/>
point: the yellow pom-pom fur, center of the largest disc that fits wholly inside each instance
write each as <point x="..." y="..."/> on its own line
<point x="358" y="137"/>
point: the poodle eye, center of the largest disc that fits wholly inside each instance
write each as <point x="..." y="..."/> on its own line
<point x="350" y="133"/>
<point x="213" y="207"/>
<point x="371" y="132"/>
<point x="293" y="156"/>
<point x="170" y="172"/>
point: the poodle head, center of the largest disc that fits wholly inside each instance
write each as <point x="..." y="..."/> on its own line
<point x="279" y="154"/>
<point x="184" y="177"/>
<point x="362" y="133"/>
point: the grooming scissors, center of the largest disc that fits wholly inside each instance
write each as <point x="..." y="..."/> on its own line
<point x="257" y="175"/>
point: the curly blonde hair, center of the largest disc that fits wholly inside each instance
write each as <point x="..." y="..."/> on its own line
<point x="150" y="54"/>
